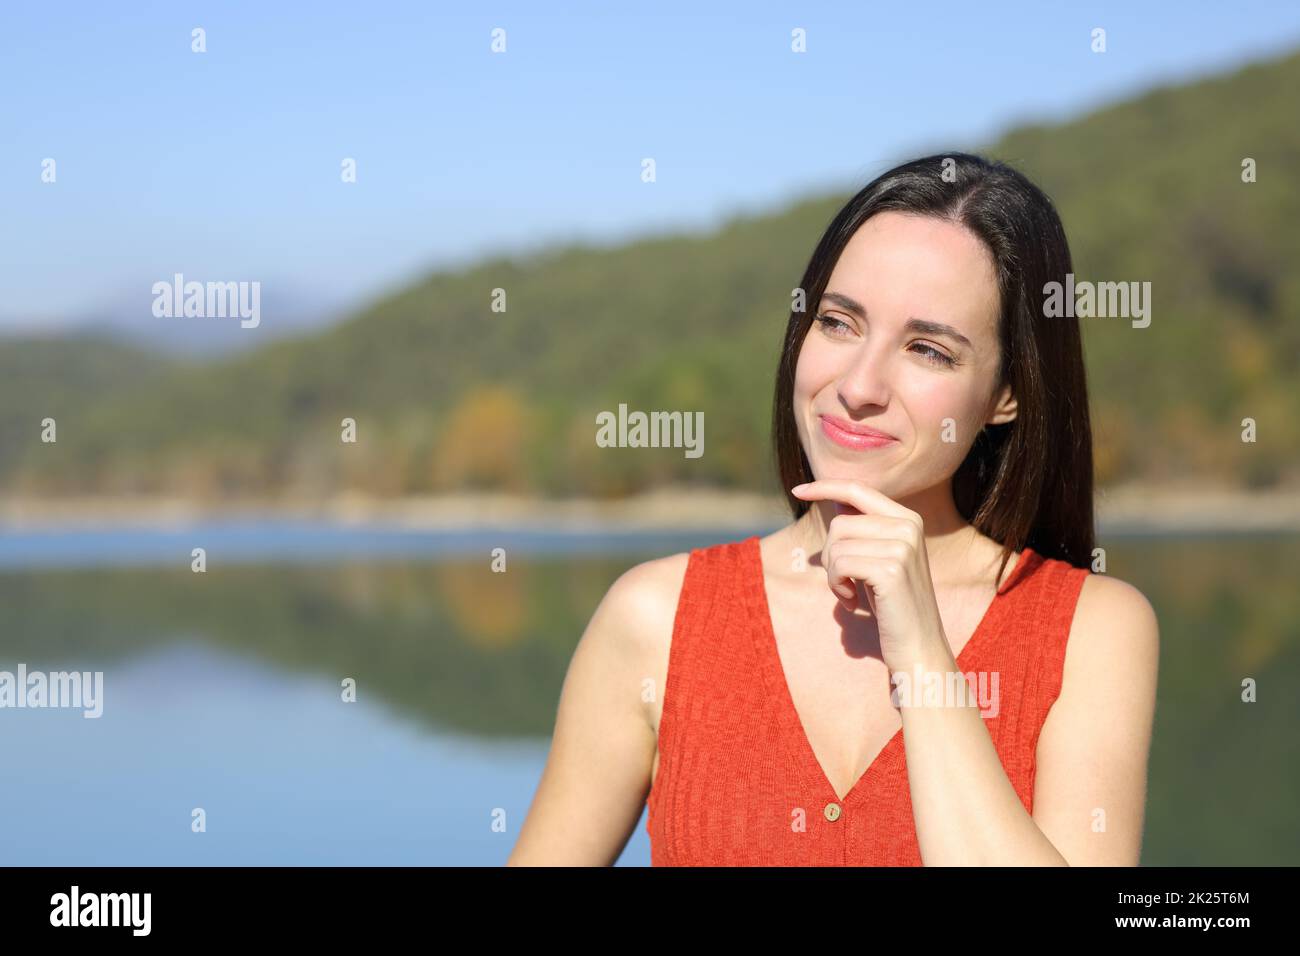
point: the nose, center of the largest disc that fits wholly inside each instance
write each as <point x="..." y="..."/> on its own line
<point x="866" y="379"/>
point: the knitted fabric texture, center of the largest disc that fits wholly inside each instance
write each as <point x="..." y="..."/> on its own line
<point x="738" y="782"/>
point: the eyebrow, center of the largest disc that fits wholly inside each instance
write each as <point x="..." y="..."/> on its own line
<point x="923" y="326"/>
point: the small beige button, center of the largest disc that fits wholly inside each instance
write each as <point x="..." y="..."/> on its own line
<point x="832" y="811"/>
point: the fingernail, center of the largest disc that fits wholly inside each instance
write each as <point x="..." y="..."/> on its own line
<point x="799" y="487"/>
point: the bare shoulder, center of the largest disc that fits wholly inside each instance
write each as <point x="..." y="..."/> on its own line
<point x="647" y="593"/>
<point x="1114" y="613"/>
<point x="1095" y="743"/>
<point x="639" y="609"/>
<point x="602" y="757"/>
<point x="1113" y="647"/>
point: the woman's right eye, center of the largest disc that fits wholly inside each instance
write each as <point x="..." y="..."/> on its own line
<point x="830" y="324"/>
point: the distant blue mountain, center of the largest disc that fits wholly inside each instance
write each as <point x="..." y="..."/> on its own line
<point x="127" y="317"/>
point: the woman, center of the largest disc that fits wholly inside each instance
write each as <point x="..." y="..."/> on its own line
<point x="920" y="668"/>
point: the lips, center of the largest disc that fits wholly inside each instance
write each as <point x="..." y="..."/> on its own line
<point x="850" y="435"/>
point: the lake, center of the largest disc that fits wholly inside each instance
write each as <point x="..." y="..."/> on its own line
<point x="223" y="691"/>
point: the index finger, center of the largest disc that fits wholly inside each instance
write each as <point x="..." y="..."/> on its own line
<point x="852" y="492"/>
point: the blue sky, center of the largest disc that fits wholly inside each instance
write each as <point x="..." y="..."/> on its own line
<point x="226" y="164"/>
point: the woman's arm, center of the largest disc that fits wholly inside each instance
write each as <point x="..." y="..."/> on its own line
<point x="1092" y="753"/>
<point x="597" y="775"/>
<point x="1090" y="791"/>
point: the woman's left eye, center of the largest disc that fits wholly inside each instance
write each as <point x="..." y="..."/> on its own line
<point x="934" y="356"/>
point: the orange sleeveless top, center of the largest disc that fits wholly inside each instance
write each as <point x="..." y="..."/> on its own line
<point x="738" y="782"/>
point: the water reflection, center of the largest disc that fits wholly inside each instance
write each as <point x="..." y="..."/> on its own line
<point x="222" y="691"/>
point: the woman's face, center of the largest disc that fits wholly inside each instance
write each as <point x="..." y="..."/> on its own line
<point x="876" y="355"/>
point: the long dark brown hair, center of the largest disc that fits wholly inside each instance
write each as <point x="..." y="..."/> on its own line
<point x="1026" y="482"/>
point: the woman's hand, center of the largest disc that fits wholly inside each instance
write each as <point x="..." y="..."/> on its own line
<point x="877" y="541"/>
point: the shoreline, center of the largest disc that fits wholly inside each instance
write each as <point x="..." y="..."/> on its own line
<point x="1133" y="507"/>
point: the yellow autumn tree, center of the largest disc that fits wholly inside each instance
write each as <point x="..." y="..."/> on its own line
<point x="484" y="442"/>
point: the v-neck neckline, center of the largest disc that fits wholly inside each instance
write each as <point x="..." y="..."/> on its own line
<point x="793" y="730"/>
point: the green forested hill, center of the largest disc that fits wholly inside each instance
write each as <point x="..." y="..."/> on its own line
<point x="1150" y="190"/>
<point x="60" y="378"/>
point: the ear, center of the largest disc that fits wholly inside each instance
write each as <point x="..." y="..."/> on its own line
<point x="1004" y="407"/>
